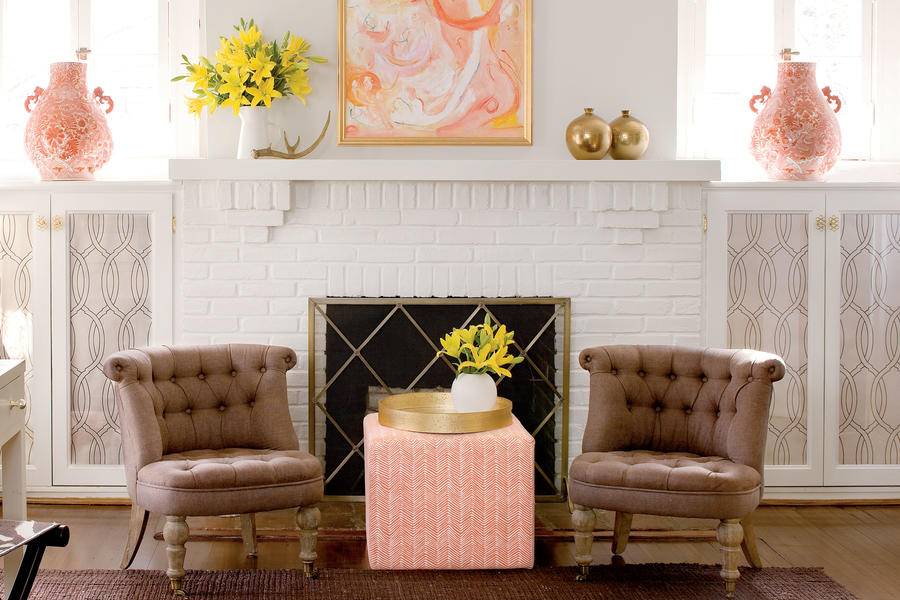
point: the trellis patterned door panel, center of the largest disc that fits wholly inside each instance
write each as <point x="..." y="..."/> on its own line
<point x="25" y="315"/>
<point x="112" y="291"/>
<point x="765" y="283"/>
<point x="863" y="340"/>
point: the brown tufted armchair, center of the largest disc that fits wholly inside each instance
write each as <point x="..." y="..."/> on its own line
<point x="675" y="432"/>
<point x="206" y="431"/>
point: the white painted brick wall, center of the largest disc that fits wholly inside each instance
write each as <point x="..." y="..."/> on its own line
<point x="628" y="254"/>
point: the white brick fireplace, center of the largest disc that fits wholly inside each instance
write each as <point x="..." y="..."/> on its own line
<point x="628" y="253"/>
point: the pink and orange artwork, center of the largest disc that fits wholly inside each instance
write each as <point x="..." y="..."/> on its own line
<point x="435" y="72"/>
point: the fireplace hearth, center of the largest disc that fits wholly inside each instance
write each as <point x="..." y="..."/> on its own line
<point x="378" y="346"/>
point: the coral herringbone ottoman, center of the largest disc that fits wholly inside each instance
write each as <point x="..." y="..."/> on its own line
<point x="436" y="501"/>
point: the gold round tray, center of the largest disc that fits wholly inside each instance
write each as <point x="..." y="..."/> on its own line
<point x="432" y="412"/>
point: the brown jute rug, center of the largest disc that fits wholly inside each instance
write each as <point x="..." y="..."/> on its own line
<point x="624" y="582"/>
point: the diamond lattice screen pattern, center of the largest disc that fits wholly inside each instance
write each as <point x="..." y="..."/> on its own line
<point x="741" y="40"/>
<point x="128" y="60"/>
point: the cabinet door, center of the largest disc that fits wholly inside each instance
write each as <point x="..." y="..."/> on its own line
<point x="862" y="360"/>
<point x="25" y="315"/>
<point x="112" y="290"/>
<point x="765" y="284"/>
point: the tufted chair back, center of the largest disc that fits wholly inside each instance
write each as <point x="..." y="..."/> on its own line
<point x="181" y="398"/>
<point x="669" y="399"/>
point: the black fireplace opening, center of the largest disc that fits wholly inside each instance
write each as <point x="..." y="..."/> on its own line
<point x="394" y="353"/>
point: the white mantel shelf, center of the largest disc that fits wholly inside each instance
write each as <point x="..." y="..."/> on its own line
<point x="443" y="170"/>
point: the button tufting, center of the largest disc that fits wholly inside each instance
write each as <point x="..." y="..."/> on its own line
<point x="704" y="379"/>
<point x="188" y="410"/>
<point x="172" y="379"/>
<point x="750" y="379"/>
<point x="252" y="403"/>
<point x="234" y="373"/>
<point x="657" y="408"/>
<point x="688" y="411"/>
<point x="641" y="374"/>
<point x="221" y="408"/>
<point x="262" y="370"/>
<point x="614" y="372"/>
<point x="672" y="376"/>
<point x="201" y="376"/>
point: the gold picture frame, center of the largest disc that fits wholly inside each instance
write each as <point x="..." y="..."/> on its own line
<point x="525" y="140"/>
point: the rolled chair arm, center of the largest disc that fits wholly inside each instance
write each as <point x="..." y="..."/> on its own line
<point x="761" y="366"/>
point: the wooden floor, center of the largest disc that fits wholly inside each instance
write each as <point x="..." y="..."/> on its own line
<point x="858" y="546"/>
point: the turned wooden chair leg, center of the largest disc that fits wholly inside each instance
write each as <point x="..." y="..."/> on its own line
<point x="137" y="525"/>
<point x="175" y="533"/>
<point x="751" y="551"/>
<point x="730" y="534"/>
<point x="583" y="520"/>
<point x="621" y="533"/>
<point x="308" y="521"/>
<point x="248" y="533"/>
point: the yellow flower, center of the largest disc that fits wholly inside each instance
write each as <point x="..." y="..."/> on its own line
<point x="197" y="103"/>
<point x="236" y="102"/>
<point x="199" y="76"/>
<point x="451" y="344"/>
<point x="260" y="66"/>
<point x="298" y="83"/>
<point x="264" y="93"/>
<point x="296" y="46"/>
<point x="249" y="36"/>
<point x="233" y="83"/>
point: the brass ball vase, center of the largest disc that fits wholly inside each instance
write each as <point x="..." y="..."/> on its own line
<point x="588" y="137"/>
<point x="630" y="138"/>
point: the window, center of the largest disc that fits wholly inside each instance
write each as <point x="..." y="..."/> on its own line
<point x="128" y="57"/>
<point x="729" y="49"/>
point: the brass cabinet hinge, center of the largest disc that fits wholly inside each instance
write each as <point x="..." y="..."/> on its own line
<point x="173" y="224"/>
<point x="705" y="223"/>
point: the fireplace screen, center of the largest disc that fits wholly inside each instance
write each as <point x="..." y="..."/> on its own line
<point x="362" y="349"/>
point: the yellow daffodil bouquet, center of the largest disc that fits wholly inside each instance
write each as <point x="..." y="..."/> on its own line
<point x="249" y="71"/>
<point x="481" y="349"/>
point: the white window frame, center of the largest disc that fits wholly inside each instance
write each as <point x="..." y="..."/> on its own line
<point x="881" y="60"/>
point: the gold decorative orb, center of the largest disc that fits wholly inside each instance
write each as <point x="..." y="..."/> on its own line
<point x="588" y="137"/>
<point x="630" y="138"/>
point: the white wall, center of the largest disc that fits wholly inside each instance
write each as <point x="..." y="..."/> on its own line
<point x="609" y="54"/>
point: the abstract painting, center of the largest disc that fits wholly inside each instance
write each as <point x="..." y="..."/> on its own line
<point x="435" y="72"/>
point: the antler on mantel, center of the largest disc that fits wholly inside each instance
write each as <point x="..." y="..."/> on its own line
<point x="292" y="153"/>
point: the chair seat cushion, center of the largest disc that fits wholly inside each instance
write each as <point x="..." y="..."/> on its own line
<point x="665" y="483"/>
<point x="229" y="481"/>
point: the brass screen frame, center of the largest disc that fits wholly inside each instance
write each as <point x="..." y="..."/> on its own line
<point x="560" y="408"/>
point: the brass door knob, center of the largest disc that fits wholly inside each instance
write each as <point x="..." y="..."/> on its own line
<point x="820" y="222"/>
<point x="834" y="223"/>
<point x="21" y="404"/>
<point x="57" y="223"/>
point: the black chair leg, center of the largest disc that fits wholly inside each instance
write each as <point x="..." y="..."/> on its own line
<point x="31" y="562"/>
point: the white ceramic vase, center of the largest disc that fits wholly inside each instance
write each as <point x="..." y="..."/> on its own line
<point x="473" y="393"/>
<point x="254" y="130"/>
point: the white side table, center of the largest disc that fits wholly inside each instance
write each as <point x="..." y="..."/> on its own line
<point x="12" y="451"/>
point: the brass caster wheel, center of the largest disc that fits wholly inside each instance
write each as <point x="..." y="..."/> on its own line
<point x="583" y="571"/>
<point x="310" y="571"/>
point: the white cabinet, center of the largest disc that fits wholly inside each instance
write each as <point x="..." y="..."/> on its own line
<point x="84" y="274"/>
<point x="813" y="275"/>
